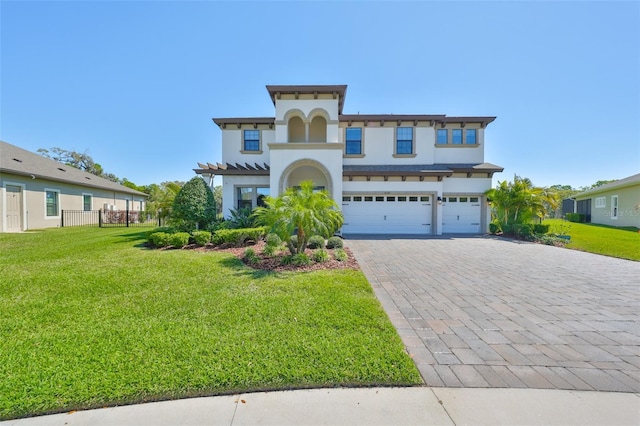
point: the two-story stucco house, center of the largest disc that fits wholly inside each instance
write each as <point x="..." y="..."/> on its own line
<point x="391" y="174"/>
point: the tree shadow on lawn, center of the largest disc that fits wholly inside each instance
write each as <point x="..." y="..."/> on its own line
<point x="243" y="270"/>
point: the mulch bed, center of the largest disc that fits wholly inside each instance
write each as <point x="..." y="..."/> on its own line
<point x="275" y="263"/>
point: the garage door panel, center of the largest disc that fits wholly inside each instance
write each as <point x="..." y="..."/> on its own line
<point x="387" y="215"/>
<point x="461" y="215"/>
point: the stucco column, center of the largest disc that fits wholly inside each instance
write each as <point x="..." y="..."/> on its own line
<point x="306" y="131"/>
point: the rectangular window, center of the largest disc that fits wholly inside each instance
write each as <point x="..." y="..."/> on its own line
<point x="463" y="199"/>
<point x="404" y="140"/>
<point x="379" y="198"/>
<point x="413" y="198"/>
<point x="614" y="207"/>
<point x="261" y="194"/>
<point x="474" y="199"/>
<point x="251" y="140"/>
<point x="601" y="202"/>
<point x="86" y="202"/>
<point x="402" y="199"/>
<point x="424" y="199"/>
<point x="470" y="136"/>
<point x="346" y="199"/>
<point x="245" y="197"/>
<point x="443" y="136"/>
<point x="357" y="198"/>
<point x="353" y="145"/>
<point x="52" y="203"/>
<point x="456" y="136"/>
<point x="453" y="199"/>
<point x="368" y="198"/>
<point x="391" y="198"/>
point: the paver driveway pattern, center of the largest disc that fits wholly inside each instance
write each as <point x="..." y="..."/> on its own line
<point x="491" y="312"/>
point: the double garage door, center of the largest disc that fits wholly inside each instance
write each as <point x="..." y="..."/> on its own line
<point x="408" y="214"/>
<point x="387" y="214"/>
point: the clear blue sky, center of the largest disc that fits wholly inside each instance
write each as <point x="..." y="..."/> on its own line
<point x="135" y="84"/>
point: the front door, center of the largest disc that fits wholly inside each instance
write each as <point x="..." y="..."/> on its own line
<point x="14" y="208"/>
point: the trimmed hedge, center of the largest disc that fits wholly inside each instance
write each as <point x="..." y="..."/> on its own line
<point x="237" y="237"/>
<point x="335" y="242"/>
<point x="576" y="217"/>
<point x="494" y="228"/>
<point x="179" y="239"/>
<point x="159" y="239"/>
<point x="201" y="238"/>
<point x="316" y="242"/>
<point x="540" y="229"/>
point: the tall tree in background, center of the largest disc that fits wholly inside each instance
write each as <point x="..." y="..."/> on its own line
<point x="161" y="197"/>
<point x="82" y="161"/>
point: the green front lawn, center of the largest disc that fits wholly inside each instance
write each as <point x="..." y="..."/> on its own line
<point x="89" y="317"/>
<point x="600" y="239"/>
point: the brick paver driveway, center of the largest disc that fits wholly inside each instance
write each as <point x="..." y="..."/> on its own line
<point x="487" y="312"/>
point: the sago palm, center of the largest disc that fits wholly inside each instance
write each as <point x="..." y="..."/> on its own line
<point x="300" y="211"/>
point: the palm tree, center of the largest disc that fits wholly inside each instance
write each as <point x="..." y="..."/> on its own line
<point x="519" y="201"/>
<point x="302" y="212"/>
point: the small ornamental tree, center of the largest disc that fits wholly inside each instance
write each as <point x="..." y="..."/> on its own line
<point x="193" y="207"/>
<point x="301" y="212"/>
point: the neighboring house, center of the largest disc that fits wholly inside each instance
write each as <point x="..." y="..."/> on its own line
<point x="390" y="174"/>
<point x="616" y="203"/>
<point x="34" y="190"/>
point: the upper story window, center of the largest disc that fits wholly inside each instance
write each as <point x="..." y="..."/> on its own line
<point x="404" y="140"/>
<point x="443" y="136"/>
<point x="251" y="140"/>
<point x="456" y="136"/>
<point x="470" y="137"/>
<point x="353" y="138"/>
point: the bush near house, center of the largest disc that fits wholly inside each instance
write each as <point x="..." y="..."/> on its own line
<point x="576" y="217"/>
<point x="238" y="237"/>
<point x="201" y="238"/>
<point x="335" y="242"/>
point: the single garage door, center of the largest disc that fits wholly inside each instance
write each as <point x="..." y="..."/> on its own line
<point x="387" y="214"/>
<point x="460" y="215"/>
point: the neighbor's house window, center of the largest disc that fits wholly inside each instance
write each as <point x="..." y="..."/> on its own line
<point x="443" y="136"/>
<point x="614" y="207"/>
<point x="52" y="198"/>
<point x="353" y="145"/>
<point x="86" y="202"/>
<point x="456" y="136"/>
<point x="251" y="140"/>
<point x="601" y="202"/>
<point x="251" y="196"/>
<point x="404" y="140"/>
<point x="470" y="137"/>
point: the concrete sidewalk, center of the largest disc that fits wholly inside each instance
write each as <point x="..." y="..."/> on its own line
<point x="370" y="406"/>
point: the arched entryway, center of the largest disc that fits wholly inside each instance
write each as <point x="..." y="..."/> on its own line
<point x="306" y="169"/>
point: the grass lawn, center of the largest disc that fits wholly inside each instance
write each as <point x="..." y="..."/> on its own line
<point x="89" y="317"/>
<point x="601" y="239"/>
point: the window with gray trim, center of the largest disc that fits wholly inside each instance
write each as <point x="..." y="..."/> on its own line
<point x="470" y="137"/>
<point x="456" y="136"/>
<point x="353" y="141"/>
<point x="251" y="140"/>
<point x="52" y="203"/>
<point x="443" y="136"/>
<point x="86" y="202"/>
<point x="404" y="140"/>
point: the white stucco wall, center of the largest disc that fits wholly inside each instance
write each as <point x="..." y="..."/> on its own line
<point x="232" y="146"/>
<point x="229" y="185"/>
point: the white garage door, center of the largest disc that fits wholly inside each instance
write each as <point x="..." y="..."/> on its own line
<point x="388" y="214"/>
<point x="460" y="215"/>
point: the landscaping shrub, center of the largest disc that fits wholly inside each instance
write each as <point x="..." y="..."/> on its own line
<point x="159" y="239"/>
<point x="321" y="255"/>
<point x="551" y="240"/>
<point x="179" y="239"/>
<point x="340" y="255"/>
<point x="194" y="206"/>
<point x="300" y="259"/>
<point x="507" y="229"/>
<point x="217" y="225"/>
<point x="241" y="218"/>
<point x="522" y="230"/>
<point x="201" y="238"/>
<point x="494" y="228"/>
<point x="250" y="256"/>
<point x="237" y="237"/>
<point x="540" y="229"/>
<point x="273" y="240"/>
<point x="292" y="244"/>
<point x="335" y="242"/>
<point x="270" y="250"/>
<point x="316" y="242"/>
<point x="576" y="217"/>
<point x="165" y="229"/>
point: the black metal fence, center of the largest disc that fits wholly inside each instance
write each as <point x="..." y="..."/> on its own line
<point x="109" y="218"/>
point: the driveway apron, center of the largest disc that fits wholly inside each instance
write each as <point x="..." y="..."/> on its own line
<point x="490" y="312"/>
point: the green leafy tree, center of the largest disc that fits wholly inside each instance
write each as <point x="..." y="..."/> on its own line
<point x="82" y="161"/>
<point x="161" y="197"/>
<point x="193" y="206"/>
<point x="301" y="212"/>
<point x="520" y="201"/>
<point x="217" y="196"/>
